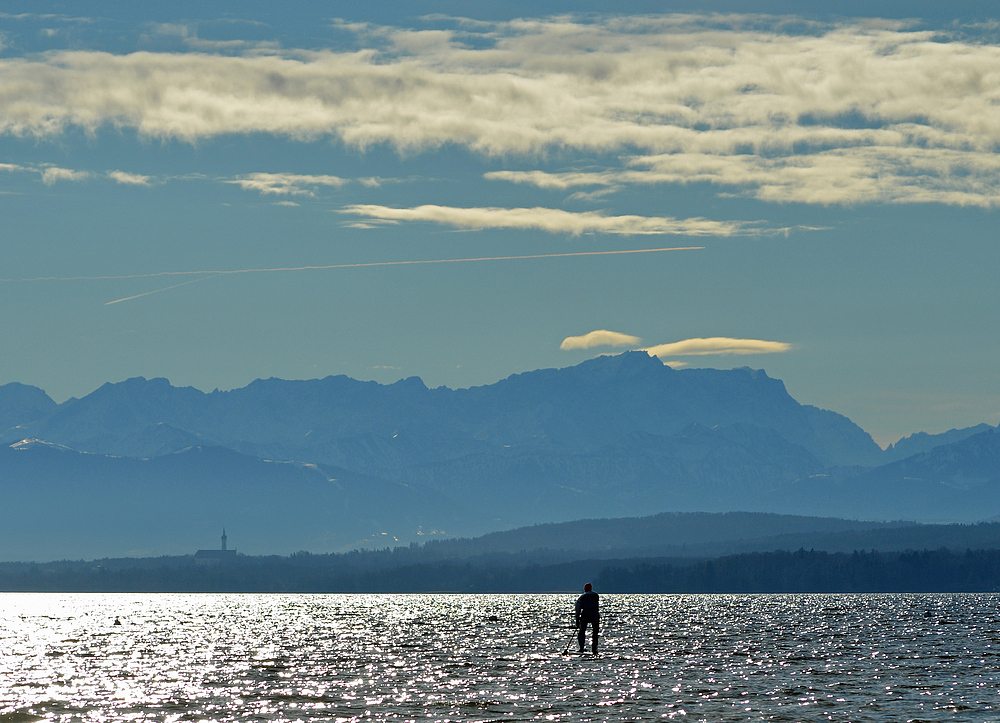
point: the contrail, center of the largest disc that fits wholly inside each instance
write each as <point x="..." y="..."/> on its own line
<point x="219" y="272"/>
<point x="208" y="273"/>
<point x="157" y="291"/>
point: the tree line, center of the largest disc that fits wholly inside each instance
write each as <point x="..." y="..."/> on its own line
<point x="400" y="571"/>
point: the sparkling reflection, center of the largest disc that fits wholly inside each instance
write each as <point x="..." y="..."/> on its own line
<point x="464" y="657"/>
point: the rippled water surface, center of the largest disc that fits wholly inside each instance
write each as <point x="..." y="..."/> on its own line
<point x="479" y="657"/>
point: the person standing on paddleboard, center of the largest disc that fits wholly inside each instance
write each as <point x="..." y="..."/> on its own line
<point x="587" y="611"/>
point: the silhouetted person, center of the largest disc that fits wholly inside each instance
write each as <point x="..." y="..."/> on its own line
<point x="587" y="611"/>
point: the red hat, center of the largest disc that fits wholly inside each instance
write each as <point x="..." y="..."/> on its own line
<point x="587" y="587"/>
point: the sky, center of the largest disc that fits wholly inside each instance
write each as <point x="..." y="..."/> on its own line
<point x="216" y="192"/>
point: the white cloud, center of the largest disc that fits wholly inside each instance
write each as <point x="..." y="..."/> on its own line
<point x="285" y="184"/>
<point x="839" y="176"/>
<point x="189" y="36"/>
<point x="554" y="220"/>
<point x="601" y="337"/>
<point x="129" y="179"/>
<point x="53" y="174"/>
<point x="718" y="345"/>
<point x="177" y="30"/>
<point x="557" y="181"/>
<point x="45" y="16"/>
<point x="842" y="113"/>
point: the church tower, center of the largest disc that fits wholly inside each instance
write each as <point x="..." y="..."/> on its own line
<point x="219" y="556"/>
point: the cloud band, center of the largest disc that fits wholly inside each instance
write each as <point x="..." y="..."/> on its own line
<point x="555" y="220"/>
<point x="840" y="113"/>
<point x="718" y="345"/>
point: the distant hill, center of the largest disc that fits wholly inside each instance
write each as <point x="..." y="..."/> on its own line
<point x="718" y="554"/>
<point x="923" y="442"/>
<point x="64" y="504"/>
<point x="952" y="482"/>
<point x="144" y="467"/>
<point x="664" y="534"/>
<point x="20" y="405"/>
<point x="703" y="535"/>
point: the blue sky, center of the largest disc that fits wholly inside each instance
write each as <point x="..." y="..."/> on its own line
<point x="216" y="192"/>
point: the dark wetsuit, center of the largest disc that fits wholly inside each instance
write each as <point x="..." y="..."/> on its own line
<point x="587" y="611"/>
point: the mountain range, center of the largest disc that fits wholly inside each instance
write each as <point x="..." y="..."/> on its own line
<point x="141" y="467"/>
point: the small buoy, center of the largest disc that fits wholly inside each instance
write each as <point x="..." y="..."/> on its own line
<point x="117" y="621"/>
<point x="493" y="618"/>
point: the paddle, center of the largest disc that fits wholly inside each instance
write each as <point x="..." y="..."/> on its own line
<point x="571" y="636"/>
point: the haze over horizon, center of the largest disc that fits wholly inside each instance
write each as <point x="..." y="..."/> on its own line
<point x="215" y="193"/>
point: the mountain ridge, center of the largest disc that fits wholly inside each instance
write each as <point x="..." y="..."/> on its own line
<point x="575" y="407"/>
<point x="338" y="462"/>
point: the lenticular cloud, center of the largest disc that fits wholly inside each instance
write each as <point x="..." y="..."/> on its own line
<point x="601" y="337"/>
<point x="718" y="345"/>
<point x="842" y="114"/>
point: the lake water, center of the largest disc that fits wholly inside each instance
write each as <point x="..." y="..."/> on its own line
<point x="485" y="658"/>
